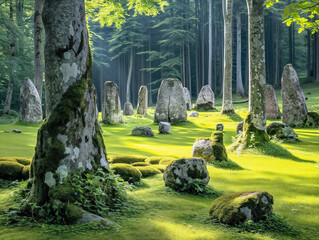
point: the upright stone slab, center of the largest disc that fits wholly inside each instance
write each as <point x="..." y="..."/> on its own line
<point x="128" y="109"/>
<point x="111" y="109"/>
<point x="30" y="103"/>
<point x="294" y="108"/>
<point x="171" y="105"/>
<point x="142" y="103"/>
<point x="187" y="99"/>
<point x="205" y="99"/>
<point x="272" y="108"/>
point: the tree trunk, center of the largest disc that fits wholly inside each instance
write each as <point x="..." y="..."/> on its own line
<point x="228" y="58"/>
<point x="210" y="43"/>
<point x="239" y="79"/>
<point x="70" y="138"/>
<point x="316" y="53"/>
<point x="129" y="77"/>
<point x="255" y="123"/>
<point x="277" y="71"/>
<point x="38" y="48"/>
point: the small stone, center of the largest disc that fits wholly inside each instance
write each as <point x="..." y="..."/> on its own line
<point x="164" y="127"/>
<point x="240" y="127"/>
<point x="205" y="99"/>
<point x="220" y="127"/>
<point x="187" y="99"/>
<point x="14" y="131"/>
<point x="142" y="131"/>
<point x="128" y="109"/>
<point x="193" y="114"/>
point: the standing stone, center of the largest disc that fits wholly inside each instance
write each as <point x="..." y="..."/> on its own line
<point x="188" y="99"/>
<point x="30" y="103"/>
<point x="164" y="127"/>
<point x="142" y="101"/>
<point x="111" y="109"/>
<point x="171" y="105"/>
<point x="205" y="99"/>
<point x="272" y="108"/>
<point x="294" y="108"/>
<point x="128" y="109"/>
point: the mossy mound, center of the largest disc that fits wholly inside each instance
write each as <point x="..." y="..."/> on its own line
<point x="217" y="144"/>
<point x="127" y="172"/>
<point x="240" y="207"/>
<point x="153" y="160"/>
<point x="167" y="161"/>
<point x="11" y="170"/>
<point x="141" y="164"/>
<point x="21" y="160"/>
<point x="26" y="172"/>
<point x="160" y="160"/>
<point x="159" y="167"/>
<point x="148" y="171"/>
<point x="313" y="119"/>
<point x="63" y="192"/>
<point x="127" y="159"/>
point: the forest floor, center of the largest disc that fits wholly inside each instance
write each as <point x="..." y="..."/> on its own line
<point x="291" y="176"/>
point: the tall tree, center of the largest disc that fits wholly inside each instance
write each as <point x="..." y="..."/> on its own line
<point x="210" y="43"/>
<point x="239" y="79"/>
<point x="228" y="58"/>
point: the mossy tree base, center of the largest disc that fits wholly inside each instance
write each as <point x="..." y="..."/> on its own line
<point x="231" y="111"/>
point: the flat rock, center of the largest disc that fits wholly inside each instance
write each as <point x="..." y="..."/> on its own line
<point x="164" y="127"/>
<point x="142" y="131"/>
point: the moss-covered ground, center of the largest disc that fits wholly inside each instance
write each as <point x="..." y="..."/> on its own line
<point x="289" y="171"/>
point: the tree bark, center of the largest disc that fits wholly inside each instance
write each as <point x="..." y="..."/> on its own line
<point x="210" y="43"/>
<point x="38" y="48"/>
<point x="71" y="137"/>
<point x="129" y="77"/>
<point x="239" y="79"/>
<point x="228" y="58"/>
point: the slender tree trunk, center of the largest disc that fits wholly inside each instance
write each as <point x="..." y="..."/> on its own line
<point x="202" y="45"/>
<point x="308" y="55"/>
<point x="129" y="77"/>
<point x="150" y="100"/>
<point x="38" y="48"/>
<point x="210" y="43"/>
<point x="277" y="71"/>
<point x="189" y="68"/>
<point x="70" y="138"/>
<point x="316" y="53"/>
<point x="228" y="58"/>
<point x="7" y="103"/>
<point x="239" y="79"/>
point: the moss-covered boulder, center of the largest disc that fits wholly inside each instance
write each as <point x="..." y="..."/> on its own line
<point x="167" y="160"/>
<point x="181" y="174"/>
<point x="141" y="164"/>
<point x="313" y="119"/>
<point x="240" y="207"/>
<point x="11" y="170"/>
<point x="281" y="131"/>
<point x="210" y="149"/>
<point x="159" y="167"/>
<point x="127" y="172"/>
<point x="127" y="159"/>
<point x="148" y="171"/>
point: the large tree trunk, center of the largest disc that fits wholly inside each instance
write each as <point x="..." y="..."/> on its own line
<point x="239" y="79"/>
<point x="228" y="58"/>
<point x="70" y="138"/>
<point x="210" y="43"/>
<point x="38" y="48"/>
<point x="255" y="123"/>
<point x="129" y="77"/>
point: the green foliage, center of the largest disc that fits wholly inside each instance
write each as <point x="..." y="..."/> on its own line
<point x="148" y="171"/>
<point x="127" y="159"/>
<point x="141" y="164"/>
<point x="127" y="172"/>
<point x="198" y="186"/>
<point x="11" y="170"/>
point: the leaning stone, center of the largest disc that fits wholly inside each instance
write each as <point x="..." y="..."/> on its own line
<point x="188" y="99"/>
<point x="272" y="108"/>
<point x="241" y="207"/>
<point x="193" y="114"/>
<point x="171" y="105"/>
<point x="30" y="103"/>
<point x="281" y="131"/>
<point x="181" y="174"/>
<point x="240" y="127"/>
<point x="164" y="127"/>
<point x="142" y="102"/>
<point x="111" y="109"/>
<point x="313" y="119"/>
<point x="206" y="99"/>
<point x="142" y="131"/>
<point x="128" y="109"/>
<point x="294" y="108"/>
<point x="220" y="127"/>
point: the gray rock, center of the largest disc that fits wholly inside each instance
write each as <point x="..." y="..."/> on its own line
<point x="30" y="103"/>
<point x="14" y="131"/>
<point x="205" y="99"/>
<point x="220" y="127"/>
<point x="164" y="127"/>
<point x="240" y="127"/>
<point x="171" y="105"/>
<point x="241" y="207"/>
<point x="294" y="108"/>
<point x="281" y="131"/>
<point x="187" y="99"/>
<point x="142" y="131"/>
<point x="272" y="108"/>
<point x="313" y="119"/>
<point x="128" y="109"/>
<point x="193" y="114"/>
<point x="142" y="102"/>
<point x="180" y="174"/>
<point x="111" y="108"/>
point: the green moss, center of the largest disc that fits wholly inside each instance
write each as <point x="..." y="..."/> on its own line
<point x="63" y="192"/>
<point x="73" y="213"/>
<point x="159" y="167"/>
<point x="127" y="159"/>
<point x="26" y="172"/>
<point x="127" y="172"/>
<point x="160" y="160"/>
<point x="141" y="164"/>
<point x="21" y="160"/>
<point x="98" y="142"/>
<point x="313" y="119"/>
<point x="217" y="137"/>
<point x="10" y="170"/>
<point x="148" y="171"/>
<point x="167" y="160"/>
<point x="252" y="136"/>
